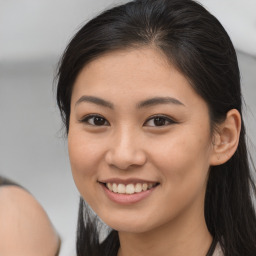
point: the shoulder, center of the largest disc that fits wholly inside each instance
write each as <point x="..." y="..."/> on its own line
<point x="25" y="228"/>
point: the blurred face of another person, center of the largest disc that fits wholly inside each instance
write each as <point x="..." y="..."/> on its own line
<point x="140" y="142"/>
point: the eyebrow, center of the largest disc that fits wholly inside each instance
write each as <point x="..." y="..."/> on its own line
<point x="95" y="100"/>
<point x="159" y="100"/>
<point x="146" y="103"/>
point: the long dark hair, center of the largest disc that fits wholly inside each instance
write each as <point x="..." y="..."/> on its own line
<point x="195" y="42"/>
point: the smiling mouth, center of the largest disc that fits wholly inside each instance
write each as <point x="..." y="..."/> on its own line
<point x="129" y="189"/>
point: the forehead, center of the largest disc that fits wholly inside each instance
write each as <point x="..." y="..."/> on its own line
<point x="132" y="73"/>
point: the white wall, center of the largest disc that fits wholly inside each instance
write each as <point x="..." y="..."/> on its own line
<point x="31" y="29"/>
<point x="239" y="19"/>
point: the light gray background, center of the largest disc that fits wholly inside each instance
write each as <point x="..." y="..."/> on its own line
<point x="32" y="146"/>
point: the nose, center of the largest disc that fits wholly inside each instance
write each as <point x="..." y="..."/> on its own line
<point x="125" y="151"/>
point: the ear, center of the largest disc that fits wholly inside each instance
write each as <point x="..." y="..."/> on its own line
<point x="226" y="138"/>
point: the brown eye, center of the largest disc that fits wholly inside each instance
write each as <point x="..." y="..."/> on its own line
<point x="95" y="120"/>
<point x="99" y="121"/>
<point x="159" y="121"/>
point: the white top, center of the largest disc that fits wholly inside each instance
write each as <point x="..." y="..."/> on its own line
<point x="218" y="251"/>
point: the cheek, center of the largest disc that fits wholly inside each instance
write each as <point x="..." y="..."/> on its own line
<point x="183" y="165"/>
<point x="84" y="153"/>
<point x="183" y="159"/>
<point x="84" y="160"/>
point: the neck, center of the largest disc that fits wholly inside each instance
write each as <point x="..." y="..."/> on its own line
<point x="177" y="238"/>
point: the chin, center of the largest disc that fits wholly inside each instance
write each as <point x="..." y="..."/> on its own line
<point x="129" y="225"/>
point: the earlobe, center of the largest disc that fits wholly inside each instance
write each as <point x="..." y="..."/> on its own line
<point x="226" y="138"/>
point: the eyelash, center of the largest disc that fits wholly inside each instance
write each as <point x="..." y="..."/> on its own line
<point x="161" y="118"/>
<point x="103" y="122"/>
<point x="87" y="119"/>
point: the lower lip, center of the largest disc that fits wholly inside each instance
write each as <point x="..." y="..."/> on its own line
<point x="126" y="198"/>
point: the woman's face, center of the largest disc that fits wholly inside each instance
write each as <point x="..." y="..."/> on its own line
<point x="139" y="141"/>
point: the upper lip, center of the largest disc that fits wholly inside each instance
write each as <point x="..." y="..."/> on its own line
<point x="126" y="181"/>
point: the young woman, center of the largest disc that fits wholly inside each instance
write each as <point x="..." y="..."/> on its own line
<point x="149" y="92"/>
<point x="25" y="228"/>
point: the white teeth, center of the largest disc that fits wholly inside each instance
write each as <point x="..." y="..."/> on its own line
<point x="121" y="188"/>
<point x="144" y="186"/>
<point x="130" y="188"/>
<point x="114" y="187"/>
<point x="109" y="186"/>
<point x="138" y="188"/>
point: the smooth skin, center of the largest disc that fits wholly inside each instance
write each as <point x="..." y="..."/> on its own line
<point x="133" y="115"/>
<point x="25" y="229"/>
